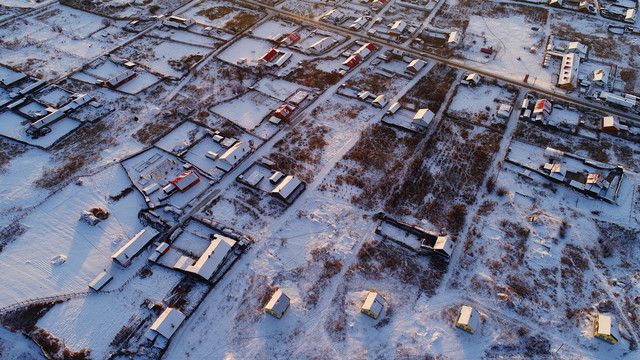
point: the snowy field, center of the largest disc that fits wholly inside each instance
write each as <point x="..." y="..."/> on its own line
<point x="248" y="110"/>
<point x="15" y="126"/>
<point x="274" y="28"/>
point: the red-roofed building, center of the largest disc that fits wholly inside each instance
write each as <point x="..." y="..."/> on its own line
<point x="365" y="50"/>
<point x="352" y="61"/>
<point x="269" y="56"/>
<point x="284" y="111"/>
<point x="291" y="39"/>
<point x="185" y="181"/>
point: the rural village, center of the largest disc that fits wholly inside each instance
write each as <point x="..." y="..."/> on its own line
<point x="319" y="179"/>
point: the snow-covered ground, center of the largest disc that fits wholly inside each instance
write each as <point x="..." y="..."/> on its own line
<point x="535" y="258"/>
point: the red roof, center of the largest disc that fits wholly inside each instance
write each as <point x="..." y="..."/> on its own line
<point x="352" y="61"/>
<point x="186" y="180"/>
<point x="284" y="111"/>
<point x="269" y="55"/>
<point x="487" y="51"/>
<point x="292" y="38"/>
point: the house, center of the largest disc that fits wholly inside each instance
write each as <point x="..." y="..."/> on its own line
<point x="134" y="246"/>
<point x="373" y="305"/>
<point x="120" y="79"/>
<point x="233" y="156"/>
<point x="282" y="59"/>
<point x="378" y="4"/>
<point x="364" y="51"/>
<point x="468" y="319"/>
<point x="100" y="281"/>
<point x="186" y="181"/>
<point x="160" y="250"/>
<point x="579" y="48"/>
<point x="397" y="28"/>
<point x="423" y="117"/>
<point x="321" y="45"/>
<point x="358" y="23"/>
<point x="351" y="61"/>
<point x="454" y="38"/>
<point x="291" y="39"/>
<point x="611" y="124"/>
<point x="287" y="187"/>
<point x="284" y="111"/>
<point x="472" y="79"/>
<point x="166" y="324"/>
<point x="380" y="102"/>
<point x="568" y="78"/>
<point x="415" y="66"/>
<point x="33" y="87"/>
<point x="504" y="111"/>
<point x="543" y="108"/>
<point x="393" y="108"/>
<point x="213" y="257"/>
<point x="268" y="56"/>
<point x="278" y="304"/>
<point x="333" y="16"/>
<point x="598" y="77"/>
<point x="606" y="328"/>
<point x="555" y="171"/>
<point x="178" y="22"/>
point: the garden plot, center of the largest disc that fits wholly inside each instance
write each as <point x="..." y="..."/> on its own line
<point x="277" y="88"/>
<point x="104" y="316"/>
<point x="246" y="48"/>
<point x="248" y="110"/>
<point x="124" y="9"/>
<point x="58" y="41"/>
<point x="185" y="37"/>
<point x="182" y="137"/>
<point x="105" y="69"/>
<point x="274" y="29"/>
<point x="153" y="169"/>
<point x="332" y="128"/>
<point x="74" y="252"/>
<point x="197" y="155"/>
<point x="14" y="126"/>
<point x="608" y="150"/>
<point x="480" y="104"/>
<point x="53" y="96"/>
<point x="361" y="176"/>
<point x="562" y="292"/>
<point x="224" y="15"/>
<point x="313" y="10"/>
<point x="164" y="57"/>
<point x="511" y="42"/>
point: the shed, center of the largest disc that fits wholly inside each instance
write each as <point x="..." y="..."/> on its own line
<point x="277" y="175"/>
<point x="186" y="180"/>
<point x="423" y="117"/>
<point x="393" y="108"/>
<point x="278" y="304"/>
<point x="212" y="258"/>
<point x="468" y="320"/>
<point x="606" y="328"/>
<point x="287" y="187"/>
<point x="473" y="79"/>
<point x="443" y="246"/>
<point x="168" y="322"/>
<point x="134" y="246"/>
<point x="553" y="153"/>
<point x="100" y="281"/>
<point x="380" y="102"/>
<point x="373" y="304"/>
<point x="504" y="111"/>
